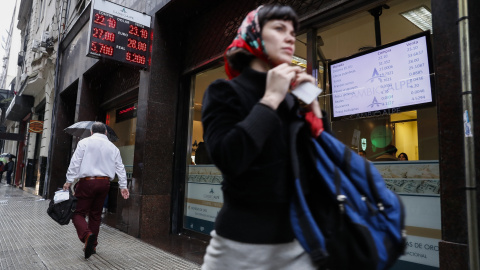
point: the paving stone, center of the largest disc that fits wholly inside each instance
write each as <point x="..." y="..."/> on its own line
<point x="30" y="239"/>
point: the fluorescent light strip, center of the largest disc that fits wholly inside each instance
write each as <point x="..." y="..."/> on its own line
<point x="299" y="61"/>
<point x="421" y="17"/>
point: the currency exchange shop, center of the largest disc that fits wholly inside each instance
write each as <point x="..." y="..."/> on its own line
<point x="379" y="92"/>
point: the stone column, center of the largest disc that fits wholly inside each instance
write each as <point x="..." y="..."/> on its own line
<point x="454" y="244"/>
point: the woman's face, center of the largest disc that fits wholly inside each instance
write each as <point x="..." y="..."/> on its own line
<point x="402" y="157"/>
<point x="279" y="39"/>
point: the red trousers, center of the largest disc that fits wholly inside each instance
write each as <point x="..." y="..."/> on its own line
<point x="90" y="195"/>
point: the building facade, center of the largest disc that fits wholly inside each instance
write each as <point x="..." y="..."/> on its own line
<point x="160" y="137"/>
<point x="30" y="111"/>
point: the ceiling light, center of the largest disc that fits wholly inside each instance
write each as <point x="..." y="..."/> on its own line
<point x="421" y="17"/>
<point x="299" y="61"/>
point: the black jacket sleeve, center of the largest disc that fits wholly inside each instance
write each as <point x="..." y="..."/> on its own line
<point x="234" y="132"/>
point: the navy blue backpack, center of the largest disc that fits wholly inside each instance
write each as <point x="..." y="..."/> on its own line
<point x="342" y="213"/>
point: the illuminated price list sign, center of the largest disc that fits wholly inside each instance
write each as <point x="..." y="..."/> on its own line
<point x="119" y="34"/>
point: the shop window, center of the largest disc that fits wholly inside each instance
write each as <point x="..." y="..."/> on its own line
<point x="123" y="121"/>
<point x="405" y="130"/>
<point x="203" y="197"/>
<point x="413" y="132"/>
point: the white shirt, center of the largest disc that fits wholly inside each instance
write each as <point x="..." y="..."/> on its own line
<point x="97" y="156"/>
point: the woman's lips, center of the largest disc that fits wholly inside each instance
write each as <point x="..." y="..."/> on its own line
<point x="289" y="50"/>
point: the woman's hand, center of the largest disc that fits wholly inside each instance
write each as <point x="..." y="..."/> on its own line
<point x="279" y="80"/>
<point x="304" y="77"/>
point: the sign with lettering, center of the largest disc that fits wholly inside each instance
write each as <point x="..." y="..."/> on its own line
<point x="204" y="198"/>
<point x="204" y="201"/>
<point x="388" y="79"/>
<point x="35" y="126"/>
<point x="418" y="183"/>
<point x="119" y="33"/>
<point x="423" y="224"/>
<point x="126" y="112"/>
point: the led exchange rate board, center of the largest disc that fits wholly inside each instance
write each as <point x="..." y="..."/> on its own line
<point x="119" y="33"/>
<point x="385" y="80"/>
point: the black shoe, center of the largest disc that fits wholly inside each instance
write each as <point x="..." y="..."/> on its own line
<point x="89" y="245"/>
<point x="94" y="251"/>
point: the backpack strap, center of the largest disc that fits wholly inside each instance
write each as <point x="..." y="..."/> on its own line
<point x="373" y="187"/>
<point x="294" y="129"/>
<point x="304" y="226"/>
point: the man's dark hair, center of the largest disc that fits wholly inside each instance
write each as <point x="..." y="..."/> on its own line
<point x="391" y="149"/>
<point x="241" y="58"/>
<point x="98" y="127"/>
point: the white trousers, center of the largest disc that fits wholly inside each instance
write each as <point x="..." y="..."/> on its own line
<point x="223" y="253"/>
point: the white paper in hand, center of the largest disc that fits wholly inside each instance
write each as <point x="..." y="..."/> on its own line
<point x="61" y="196"/>
<point x="307" y="92"/>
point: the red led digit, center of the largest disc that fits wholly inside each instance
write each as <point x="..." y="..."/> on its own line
<point x="95" y="32"/>
<point x="98" y="33"/>
<point x="99" y="19"/>
<point x="110" y="36"/>
<point x="142" y="46"/>
<point x="132" y="43"/>
<point x="105" y="49"/>
<point x="135" y="58"/>
<point x="143" y="33"/>
<point x="102" y="48"/>
<point x="112" y="23"/>
<point x="93" y="47"/>
<point x="133" y="30"/>
<point x="103" y="35"/>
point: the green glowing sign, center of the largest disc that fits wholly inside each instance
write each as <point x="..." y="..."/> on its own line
<point x="381" y="136"/>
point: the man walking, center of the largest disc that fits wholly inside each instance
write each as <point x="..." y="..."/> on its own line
<point x="95" y="162"/>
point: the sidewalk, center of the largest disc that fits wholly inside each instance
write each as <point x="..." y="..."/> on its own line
<point x="30" y="239"/>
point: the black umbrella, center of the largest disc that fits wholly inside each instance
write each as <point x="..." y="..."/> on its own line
<point x="8" y="155"/>
<point x="82" y="130"/>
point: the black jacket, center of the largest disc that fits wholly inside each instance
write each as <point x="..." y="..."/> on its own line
<point x="9" y="166"/>
<point x="248" y="142"/>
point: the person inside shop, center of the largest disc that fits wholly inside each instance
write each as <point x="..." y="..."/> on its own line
<point x="246" y="123"/>
<point x="201" y="154"/>
<point x="390" y="154"/>
<point x="403" y="157"/>
<point x="9" y="169"/>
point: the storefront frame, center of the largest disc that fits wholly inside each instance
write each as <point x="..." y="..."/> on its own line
<point x="446" y="61"/>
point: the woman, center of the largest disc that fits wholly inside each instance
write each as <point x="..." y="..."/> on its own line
<point x="246" y="121"/>
<point x="403" y="157"/>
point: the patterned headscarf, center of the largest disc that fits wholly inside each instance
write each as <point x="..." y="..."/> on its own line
<point x="249" y="38"/>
